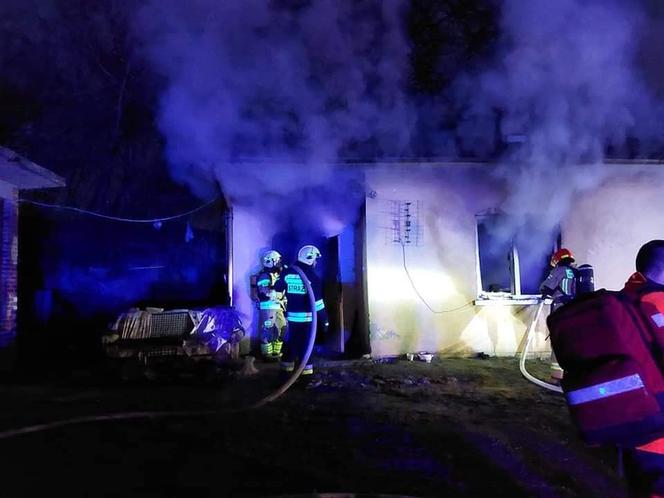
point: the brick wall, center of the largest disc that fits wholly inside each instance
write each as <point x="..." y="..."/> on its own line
<point x="8" y="268"/>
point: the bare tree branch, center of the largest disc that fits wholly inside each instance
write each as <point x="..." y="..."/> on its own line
<point x="120" y="105"/>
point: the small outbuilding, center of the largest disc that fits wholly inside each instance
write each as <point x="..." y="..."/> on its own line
<point x="16" y="173"/>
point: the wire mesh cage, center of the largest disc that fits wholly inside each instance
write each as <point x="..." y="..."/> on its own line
<point x="171" y="324"/>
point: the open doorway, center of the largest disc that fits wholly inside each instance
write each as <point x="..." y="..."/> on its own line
<point x="342" y="271"/>
<point x="345" y="292"/>
<point x="333" y="296"/>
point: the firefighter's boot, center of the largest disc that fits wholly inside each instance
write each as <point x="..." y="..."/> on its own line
<point x="556" y="373"/>
<point x="286" y="369"/>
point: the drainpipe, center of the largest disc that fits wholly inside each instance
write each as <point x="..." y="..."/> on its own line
<point x="229" y="251"/>
<point x="515" y="270"/>
<point x="478" y="268"/>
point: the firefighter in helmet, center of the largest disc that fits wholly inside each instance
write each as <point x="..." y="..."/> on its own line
<point x="300" y="314"/>
<point x="271" y="305"/>
<point x="560" y="286"/>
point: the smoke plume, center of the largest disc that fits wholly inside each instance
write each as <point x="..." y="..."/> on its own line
<point x="266" y="98"/>
<point x="566" y="89"/>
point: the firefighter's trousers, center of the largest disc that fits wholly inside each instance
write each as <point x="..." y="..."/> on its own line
<point x="272" y="327"/>
<point x="644" y="470"/>
<point x="295" y="347"/>
<point x="273" y="322"/>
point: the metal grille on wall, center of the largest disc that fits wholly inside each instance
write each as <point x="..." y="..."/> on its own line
<point x="404" y="224"/>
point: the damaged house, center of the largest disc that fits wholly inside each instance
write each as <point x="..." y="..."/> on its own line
<point x="422" y="258"/>
<point x="426" y="266"/>
<point x="419" y="254"/>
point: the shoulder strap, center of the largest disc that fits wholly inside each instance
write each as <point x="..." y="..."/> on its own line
<point x="642" y="325"/>
<point x="652" y="320"/>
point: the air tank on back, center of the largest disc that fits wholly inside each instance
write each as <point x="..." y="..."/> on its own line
<point x="585" y="280"/>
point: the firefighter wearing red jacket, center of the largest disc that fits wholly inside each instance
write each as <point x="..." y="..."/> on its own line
<point x="300" y="314"/>
<point x="644" y="464"/>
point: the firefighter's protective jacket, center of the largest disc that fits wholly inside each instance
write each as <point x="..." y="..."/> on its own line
<point x="650" y="297"/>
<point x="560" y="285"/>
<point x="652" y="308"/>
<point x="268" y="297"/>
<point x="299" y="310"/>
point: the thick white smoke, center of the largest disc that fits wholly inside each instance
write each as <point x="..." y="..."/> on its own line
<point x="266" y="98"/>
<point x="566" y="87"/>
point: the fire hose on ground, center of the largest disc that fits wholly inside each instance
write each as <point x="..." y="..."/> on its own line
<point x="526" y="347"/>
<point x="186" y="413"/>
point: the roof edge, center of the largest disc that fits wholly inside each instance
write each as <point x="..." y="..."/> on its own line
<point x="24" y="174"/>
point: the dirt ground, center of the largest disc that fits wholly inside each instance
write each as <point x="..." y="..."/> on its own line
<point x="452" y="428"/>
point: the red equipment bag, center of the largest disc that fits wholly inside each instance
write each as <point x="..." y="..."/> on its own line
<point x="613" y="382"/>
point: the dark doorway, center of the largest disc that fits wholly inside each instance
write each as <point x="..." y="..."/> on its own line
<point x="352" y="272"/>
<point x="332" y="293"/>
<point x="342" y="271"/>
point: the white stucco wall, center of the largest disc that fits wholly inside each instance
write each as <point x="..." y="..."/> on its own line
<point x="250" y="240"/>
<point x="443" y="267"/>
<point x="608" y="225"/>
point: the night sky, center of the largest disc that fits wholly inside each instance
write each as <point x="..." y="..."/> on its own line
<point x="121" y="96"/>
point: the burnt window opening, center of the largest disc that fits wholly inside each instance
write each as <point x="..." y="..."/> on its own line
<point x="512" y="255"/>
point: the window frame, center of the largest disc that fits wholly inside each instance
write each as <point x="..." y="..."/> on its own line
<point x="514" y="297"/>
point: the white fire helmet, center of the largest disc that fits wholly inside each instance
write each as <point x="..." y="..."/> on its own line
<point x="308" y="255"/>
<point x="271" y="259"/>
